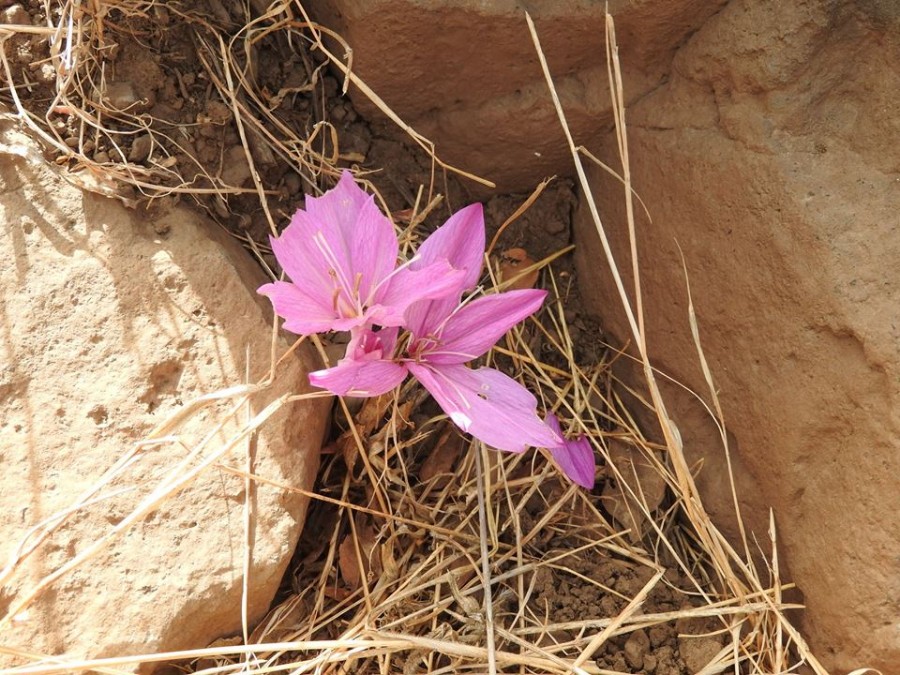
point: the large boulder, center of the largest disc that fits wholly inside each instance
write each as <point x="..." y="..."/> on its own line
<point x="466" y="75"/>
<point x="769" y="160"/>
<point x="111" y="322"/>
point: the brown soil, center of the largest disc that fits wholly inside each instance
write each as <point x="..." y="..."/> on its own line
<point x="168" y="133"/>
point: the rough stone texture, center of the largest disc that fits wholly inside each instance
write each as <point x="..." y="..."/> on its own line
<point x="770" y="156"/>
<point x="110" y="321"/>
<point x="465" y="73"/>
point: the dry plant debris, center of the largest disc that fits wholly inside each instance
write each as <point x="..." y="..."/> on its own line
<point x="423" y="552"/>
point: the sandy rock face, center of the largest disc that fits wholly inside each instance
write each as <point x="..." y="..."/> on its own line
<point x="110" y="324"/>
<point x="770" y="158"/>
<point x="466" y="75"/>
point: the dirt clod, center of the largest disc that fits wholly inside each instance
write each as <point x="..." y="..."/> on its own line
<point x="140" y="148"/>
<point x="636" y="647"/>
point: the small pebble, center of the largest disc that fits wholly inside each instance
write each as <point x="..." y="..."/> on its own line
<point x="218" y="112"/>
<point x="101" y="157"/>
<point x="47" y="73"/>
<point x="635" y="647"/>
<point x="140" y="148"/>
<point x="120" y="95"/>
<point x="658" y="635"/>
<point x="16" y="14"/>
<point x="72" y="141"/>
<point x="555" y="225"/>
<point x="338" y="113"/>
<point x="24" y="54"/>
<point x="235" y="169"/>
<point x="293" y="183"/>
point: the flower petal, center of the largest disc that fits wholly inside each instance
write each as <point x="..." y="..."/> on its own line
<point x="299" y="255"/>
<point x="303" y="313"/>
<point x="487" y="404"/>
<point x="339" y="206"/>
<point x="407" y="286"/>
<point x="373" y="248"/>
<point x="476" y="327"/>
<point x="369" y="345"/>
<point x="339" y="249"/>
<point x="369" y="237"/>
<point x="359" y="378"/>
<point x="460" y="241"/>
<point x="575" y="457"/>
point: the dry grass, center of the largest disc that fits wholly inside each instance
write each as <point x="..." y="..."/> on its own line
<point x="436" y="554"/>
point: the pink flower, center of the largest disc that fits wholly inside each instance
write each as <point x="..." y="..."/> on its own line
<point x="367" y="369"/>
<point x="445" y="335"/>
<point x="575" y="457"/>
<point x="341" y="255"/>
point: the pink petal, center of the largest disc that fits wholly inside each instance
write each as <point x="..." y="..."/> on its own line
<point x="373" y="248"/>
<point x="407" y="286"/>
<point x="366" y="344"/>
<point x="299" y="255"/>
<point x="359" y="378"/>
<point x="303" y="314"/>
<point x="575" y="457"/>
<point x="552" y="421"/>
<point x="368" y="236"/>
<point x="339" y="249"/>
<point x="460" y="241"/>
<point x="476" y="327"/>
<point x="340" y="205"/>
<point x="487" y="404"/>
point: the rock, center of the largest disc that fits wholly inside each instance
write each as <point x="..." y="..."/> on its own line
<point x="466" y="75"/>
<point x="120" y="96"/>
<point x="636" y="647"/>
<point x="140" y="148"/>
<point x="698" y="653"/>
<point x="757" y="136"/>
<point x="764" y="159"/>
<point x="15" y="15"/>
<point x="46" y="73"/>
<point x="235" y="169"/>
<point x="123" y="97"/>
<point x="645" y="481"/>
<point x="109" y="329"/>
<point x="698" y="644"/>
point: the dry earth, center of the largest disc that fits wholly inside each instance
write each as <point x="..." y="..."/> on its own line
<point x="769" y="172"/>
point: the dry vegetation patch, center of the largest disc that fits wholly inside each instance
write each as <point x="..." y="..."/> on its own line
<point x="423" y="551"/>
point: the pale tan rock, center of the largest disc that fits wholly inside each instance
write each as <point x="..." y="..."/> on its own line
<point x="627" y="465"/>
<point x="699" y="642"/>
<point x="108" y="328"/>
<point x="770" y="158"/>
<point x="466" y="74"/>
